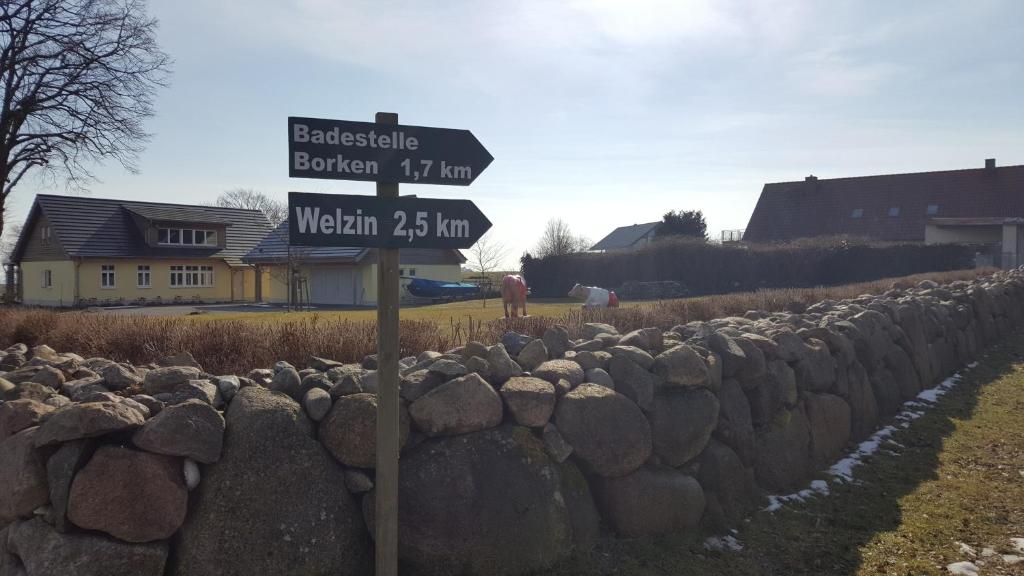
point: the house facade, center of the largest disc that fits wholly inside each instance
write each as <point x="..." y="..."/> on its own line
<point x="81" y="251"/>
<point x="339" y="276"/>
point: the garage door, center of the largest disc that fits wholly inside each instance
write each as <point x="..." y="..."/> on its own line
<point x="332" y="285"/>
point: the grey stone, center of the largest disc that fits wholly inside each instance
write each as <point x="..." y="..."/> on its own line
<point x="514" y="342"/>
<point x="592" y="329"/>
<point x="203" y="390"/>
<point x="44" y="551"/>
<point x="190" y="469"/>
<point x="288" y="382"/>
<point x="555" y="370"/>
<point x="600" y="377"/>
<point x="556" y="339"/>
<point x="532" y="355"/>
<point x="828" y="418"/>
<point x="192" y="429"/>
<point x="733" y="357"/>
<point x="488" y="503"/>
<point x="87" y="421"/>
<point x="607" y="431"/>
<point x="639" y="356"/>
<point x="556" y="446"/>
<point x="118" y="377"/>
<point x="783" y="453"/>
<point x="168" y="378"/>
<point x="460" y="406"/>
<point x="414" y="385"/>
<point x="317" y="403"/>
<point x="735" y="427"/>
<point x="447" y="369"/>
<point x="350" y="430"/>
<point x="632" y="381"/>
<point x="17" y="415"/>
<point x="721" y="472"/>
<point x="314" y="528"/>
<point x="682" y="421"/>
<point x="502" y="365"/>
<point x="22" y="475"/>
<point x="681" y="366"/>
<point x="651" y="501"/>
<point x="530" y="400"/>
<point x="357" y="481"/>
<point x="180" y="359"/>
<point x="228" y="386"/>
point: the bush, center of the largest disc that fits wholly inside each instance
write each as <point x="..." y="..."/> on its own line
<point x="705" y="268"/>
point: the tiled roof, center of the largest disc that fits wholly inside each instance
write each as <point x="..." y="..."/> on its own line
<point x="789" y="210"/>
<point x="625" y="236"/>
<point x="274" y="248"/>
<point x="88" y="227"/>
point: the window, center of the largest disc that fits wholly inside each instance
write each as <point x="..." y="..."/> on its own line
<point x="894" y="211"/>
<point x="47" y="279"/>
<point x="191" y="276"/>
<point x="932" y="210"/>
<point x="44" y="235"/>
<point x="107" y="279"/>
<point x="412" y="271"/>
<point x="144" y="277"/>
<point x="401" y="271"/>
<point x="186" y="237"/>
<point x="857" y="213"/>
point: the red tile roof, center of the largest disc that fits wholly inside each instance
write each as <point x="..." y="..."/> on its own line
<point x="789" y="210"/>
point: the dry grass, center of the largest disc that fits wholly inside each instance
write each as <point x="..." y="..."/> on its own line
<point x="239" y="343"/>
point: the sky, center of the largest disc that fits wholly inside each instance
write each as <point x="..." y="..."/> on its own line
<point x="603" y="112"/>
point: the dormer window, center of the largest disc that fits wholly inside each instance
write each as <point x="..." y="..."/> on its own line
<point x="186" y="237"/>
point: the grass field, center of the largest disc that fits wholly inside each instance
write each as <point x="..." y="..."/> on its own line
<point x="956" y="476"/>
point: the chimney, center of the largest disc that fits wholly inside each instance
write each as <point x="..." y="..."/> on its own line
<point x="990" y="163"/>
<point x="811" y="178"/>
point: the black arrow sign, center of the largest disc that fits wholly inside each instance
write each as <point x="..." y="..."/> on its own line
<point x="344" y="150"/>
<point x="349" y="220"/>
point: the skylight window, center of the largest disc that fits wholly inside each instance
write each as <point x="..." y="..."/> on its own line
<point x="857" y="213"/>
<point x="932" y="209"/>
<point x="894" y="211"/>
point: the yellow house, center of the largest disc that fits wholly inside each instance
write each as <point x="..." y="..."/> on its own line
<point x="339" y="276"/>
<point x="82" y="251"/>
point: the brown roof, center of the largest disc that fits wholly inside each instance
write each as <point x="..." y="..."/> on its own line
<point x="813" y="207"/>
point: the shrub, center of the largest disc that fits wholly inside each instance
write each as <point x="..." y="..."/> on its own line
<point x="718" y="269"/>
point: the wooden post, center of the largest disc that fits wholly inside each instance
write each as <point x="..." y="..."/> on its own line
<point x="386" y="492"/>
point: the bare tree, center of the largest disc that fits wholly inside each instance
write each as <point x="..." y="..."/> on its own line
<point x="558" y="240"/>
<point x="487" y="254"/>
<point x="275" y="210"/>
<point x="8" y="240"/>
<point x="77" y="79"/>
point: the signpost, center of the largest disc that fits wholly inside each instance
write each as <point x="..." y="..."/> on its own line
<point x="386" y="153"/>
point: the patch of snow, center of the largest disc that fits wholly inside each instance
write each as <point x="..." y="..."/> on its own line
<point x="1018" y="544"/>
<point x="723" y="544"/>
<point x="1011" y="559"/>
<point x="817" y="487"/>
<point x="963" y="569"/>
<point x="967" y="549"/>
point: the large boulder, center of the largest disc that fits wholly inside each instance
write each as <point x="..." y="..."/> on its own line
<point x="117" y="376"/>
<point x="192" y="429"/>
<point x="18" y="415"/>
<point x="61" y="468"/>
<point x="816" y="371"/>
<point x="774" y="392"/>
<point x="783" y="452"/>
<point x="132" y="495"/>
<point x="631" y="380"/>
<point x="650" y="502"/>
<point x="682" y="422"/>
<point x="555" y="370"/>
<point x="532" y="355"/>
<point x="487" y="503"/>
<point x="723" y="477"/>
<point x="44" y="551"/>
<point x="288" y="381"/>
<point x="350" y="430"/>
<point x="22" y="476"/>
<point x="275" y="503"/>
<point x="462" y="405"/>
<point x="828" y="417"/>
<point x="557" y="341"/>
<point x="607" y="431"/>
<point x="168" y="378"/>
<point x="733" y="357"/>
<point x="530" y="400"/>
<point x="88" y="421"/>
<point x="681" y="366"/>
<point x="735" y="427"/>
<point x="637" y="355"/>
<point x="863" y="406"/>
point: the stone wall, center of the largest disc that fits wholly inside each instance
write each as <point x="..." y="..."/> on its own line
<point x="515" y="455"/>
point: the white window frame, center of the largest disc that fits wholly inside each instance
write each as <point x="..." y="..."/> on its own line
<point x="144" y="272"/>
<point x="45" y="235"/>
<point x="209" y="237"/>
<point x="191" y="276"/>
<point x="108" y="271"/>
<point x="46" y="281"/>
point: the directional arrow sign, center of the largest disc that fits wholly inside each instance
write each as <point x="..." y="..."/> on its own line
<point x="344" y="150"/>
<point x="348" y="220"/>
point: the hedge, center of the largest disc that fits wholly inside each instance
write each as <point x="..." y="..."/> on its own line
<point x="705" y="268"/>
